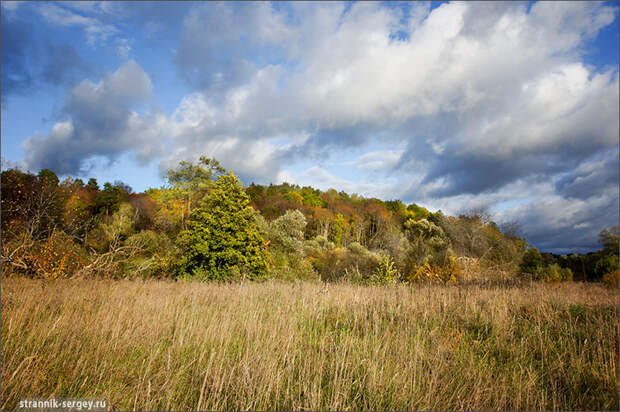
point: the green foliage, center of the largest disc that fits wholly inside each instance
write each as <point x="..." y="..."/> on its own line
<point x="122" y="223"/>
<point x="350" y="237"/>
<point x="610" y="240"/>
<point x="191" y="177"/>
<point x="606" y="264"/>
<point x="312" y="197"/>
<point x="537" y="266"/>
<point x="287" y="232"/>
<point x="418" y="211"/>
<point x="291" y="267"/>
<point x="190" y="182"/>
<point x="532" y="262"/>
<point x="429" y="244"/>
<point x="354" y="263"/>
<point x="295" y="197"/>
<point x="48" y="178"/>
<point x="156" y="257"/>
<point x="223" y="235"/>
<point x="385" y="272"/>
<point x="554" y="273"/>
<point x="108" y="200"/>
<point x="339" y="227"/>
<point x="422" y="229"/>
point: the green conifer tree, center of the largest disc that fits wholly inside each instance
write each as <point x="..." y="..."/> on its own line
<point x="223" y="237"/>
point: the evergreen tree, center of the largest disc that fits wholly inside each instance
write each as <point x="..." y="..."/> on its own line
<point x="223" y="237"/>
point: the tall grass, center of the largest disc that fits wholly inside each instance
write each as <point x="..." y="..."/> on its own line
<point x="163" y="345"/>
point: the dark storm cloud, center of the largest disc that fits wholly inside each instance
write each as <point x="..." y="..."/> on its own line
<point x="476" y="173"/>
<point x="592" y="177"/>
<point x="576" y="225"/>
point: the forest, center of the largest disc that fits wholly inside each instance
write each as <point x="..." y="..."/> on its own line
<point x="204" y="225"/>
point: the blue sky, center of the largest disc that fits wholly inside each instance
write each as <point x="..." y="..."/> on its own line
<point x="508" y="106"/>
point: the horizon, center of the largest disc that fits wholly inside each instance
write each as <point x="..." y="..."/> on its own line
<point x="508" y="106"/>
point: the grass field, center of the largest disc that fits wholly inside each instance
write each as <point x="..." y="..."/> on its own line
<point x="165" y="345"/>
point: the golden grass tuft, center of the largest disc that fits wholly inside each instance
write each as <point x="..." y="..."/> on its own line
<point x="155" y="345"/>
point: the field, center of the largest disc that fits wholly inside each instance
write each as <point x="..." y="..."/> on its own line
<point x="164" y="345"/>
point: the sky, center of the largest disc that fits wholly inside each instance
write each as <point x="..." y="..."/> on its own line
<point x="512" y="107"/>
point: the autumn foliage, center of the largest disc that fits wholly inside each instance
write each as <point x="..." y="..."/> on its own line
<point x="203" y="223"/>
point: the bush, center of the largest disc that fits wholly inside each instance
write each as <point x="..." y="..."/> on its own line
<point x="355" y="263"/>
<point x="567" y="275"/>
<point x="287" y="231"/>
<point x="606" y="264"/>
<point x="531" y="262"/>
<point x="552" y="273"/>
<point x="291" y="267"/>
<point x="155" y="258"/>
<point x="446" y="273"/>
<point x="385" y="273"/>
<point x="610" y="279"/>
<point x="56" y="257"/>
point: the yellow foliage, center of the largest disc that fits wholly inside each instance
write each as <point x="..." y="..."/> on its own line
<point x="611" y="279"/>
<point x="448" y="273"/>
<point x="57" y="258"/>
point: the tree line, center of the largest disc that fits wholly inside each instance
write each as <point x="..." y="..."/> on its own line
<point x="203" y="224"/>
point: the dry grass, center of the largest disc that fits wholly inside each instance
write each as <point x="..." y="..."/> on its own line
<point x="163" y="345"/>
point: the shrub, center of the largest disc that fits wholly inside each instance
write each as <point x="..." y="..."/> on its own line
<point x="531" y="262"/>
<point x="385" y="272"/>
<point x="317" y="246"/>
<point x="291" y="267"/>
<point x="155" y="258"/>
<point x="446" y="273"/>
<point x="56" y="257"/>
<point x="552" y="273"/>
<point x="605" y="265"/>
<point x="567" y="274"/>
<point x="610" y="279"/>
<point x="355" y="263"/>
<point x="287" y="231"/>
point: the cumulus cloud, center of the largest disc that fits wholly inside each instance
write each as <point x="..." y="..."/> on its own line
<point x="492" y="103"/>
<point x="101" y="121"/>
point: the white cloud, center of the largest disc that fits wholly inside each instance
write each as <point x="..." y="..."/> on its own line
<point x="380" y="160"/>
<point x="123" y="48"/>
<point x="95" y="30"/>
<point x="102" y="122"/>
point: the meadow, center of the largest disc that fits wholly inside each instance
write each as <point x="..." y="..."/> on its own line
<point x="154" y="344"/>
